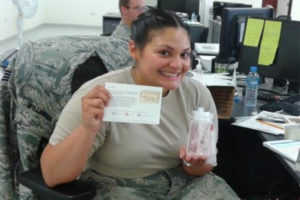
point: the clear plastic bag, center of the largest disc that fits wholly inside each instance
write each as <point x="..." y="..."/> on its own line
<point x="201" y="138"/>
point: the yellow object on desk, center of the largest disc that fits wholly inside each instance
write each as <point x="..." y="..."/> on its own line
<point x="270" y="124"/>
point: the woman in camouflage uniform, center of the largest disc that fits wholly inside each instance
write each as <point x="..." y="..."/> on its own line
<point x="138" y="161"/>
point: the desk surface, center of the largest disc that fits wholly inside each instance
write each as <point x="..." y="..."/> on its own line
<point x="250" y="168"/>
<point x="289" y="166"/>
<point x="240" y="110"/>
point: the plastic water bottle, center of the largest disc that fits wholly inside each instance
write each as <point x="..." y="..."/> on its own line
<point x="252" y="82"/>
<point x="193" y="17"/>
<point x="202" y="138"/>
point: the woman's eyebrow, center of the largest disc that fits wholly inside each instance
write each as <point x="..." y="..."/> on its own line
<point x="170" y="47"/>
<point x="188" y="49"/>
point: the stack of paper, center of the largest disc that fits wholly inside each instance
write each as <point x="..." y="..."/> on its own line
<point x="214" y="79"/>
<point x="289" y="149"/>
<point x="207" y="48"/>
<point x="268" y="122"/>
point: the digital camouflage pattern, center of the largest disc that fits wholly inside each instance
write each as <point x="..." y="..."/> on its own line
<point x="8" y="146"/>
<point x="122" y="32"/>
<point x="33" y="97"/>
<point x="167" y="185"/>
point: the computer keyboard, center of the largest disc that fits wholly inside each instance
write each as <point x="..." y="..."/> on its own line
<point x="289" y="108"/>
<point x="268" y="97"/>
<point x="265" y="96"/>
<point x="295" y="99"/>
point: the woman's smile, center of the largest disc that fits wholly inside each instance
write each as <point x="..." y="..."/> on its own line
<point x="165" y="59"/>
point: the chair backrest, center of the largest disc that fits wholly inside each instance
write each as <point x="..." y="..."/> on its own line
<point x="86" y="71"/>
<point x="44" y="75"/>
<point x="42" y="81"/>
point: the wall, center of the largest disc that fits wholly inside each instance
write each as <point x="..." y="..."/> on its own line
<point x="79" y="12"/>
<point x="151" y="2"/>
<point x="282" y="7"/>
<point x="295" y="10"/>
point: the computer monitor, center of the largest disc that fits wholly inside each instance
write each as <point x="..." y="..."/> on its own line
<point x="186" y="6"/>
<point x="286" y="65"/>
<point x="232" y="29"/>
<point x="192" y="6"/>
<point x="218" y="7"/>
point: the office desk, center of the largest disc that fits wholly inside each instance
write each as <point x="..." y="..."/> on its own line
<point x="289" y="166"/>
<point x="240" y="110"/>
<point x="250" y="168"/>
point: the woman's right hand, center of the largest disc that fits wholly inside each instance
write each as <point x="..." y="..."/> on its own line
<point x="93" y="104"/>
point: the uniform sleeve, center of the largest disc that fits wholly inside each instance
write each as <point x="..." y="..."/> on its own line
<point x="70" y="119"/>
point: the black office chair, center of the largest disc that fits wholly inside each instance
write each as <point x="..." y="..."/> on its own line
<point x="75" y="190"/>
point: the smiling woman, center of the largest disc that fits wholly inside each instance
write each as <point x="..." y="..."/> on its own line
<point x="130" y="160"/>
<point x="164" y="60"/>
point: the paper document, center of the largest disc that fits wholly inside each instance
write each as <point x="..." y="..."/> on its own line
<point x="193" y="23"/>
<point x="268" y="122"/>
<point x="213" y="79"/>
<point x="253" y="32"/>
<point x="207" y="48"/>
<point x="133" y="104"/>
<point x="286" y="148"/>
<point x="269" y="43"/>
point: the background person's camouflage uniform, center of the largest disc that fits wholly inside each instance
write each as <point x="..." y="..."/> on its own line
<point x="122" y="32"/>
<point x="33" y="97"/>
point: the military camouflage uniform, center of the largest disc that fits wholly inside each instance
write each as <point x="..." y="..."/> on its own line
<point x="8" y="142"/>
<point x="166" y="185"/>
<point x="122" y="32"/>
<point x="33" y="97"/>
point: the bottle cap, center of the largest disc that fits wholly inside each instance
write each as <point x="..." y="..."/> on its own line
<point x="236" y="99"/>
<point x="253" y="69"/>
<point x="200" y="113"/>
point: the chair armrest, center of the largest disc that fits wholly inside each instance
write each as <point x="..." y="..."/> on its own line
<point x="75" y="190"/>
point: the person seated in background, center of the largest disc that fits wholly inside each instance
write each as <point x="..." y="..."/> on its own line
<point x="130" y="10"/>
<point x="138" y="161"/>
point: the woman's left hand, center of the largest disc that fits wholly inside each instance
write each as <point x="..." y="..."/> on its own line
<point x="194" y="165"/>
